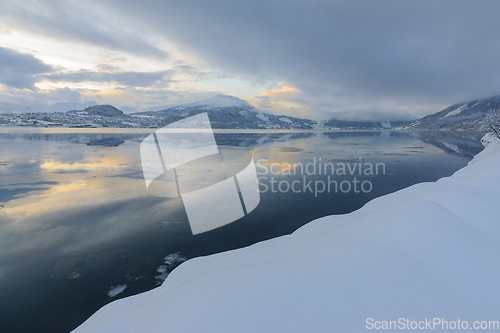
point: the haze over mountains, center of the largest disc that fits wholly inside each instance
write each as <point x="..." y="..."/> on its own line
<point x="229" y="112"/>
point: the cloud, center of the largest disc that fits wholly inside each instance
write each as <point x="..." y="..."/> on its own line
<point x="385" y="52"/>
<point x="18" y="70"/>
<point x="48" y="100"/>
<point x="133" y="79"/>
<point x="79" y="22"/>
<point x="66" y="95"/>
<point x="139" y="90"/>
<point x="343" y="56"/>
<point x="15" y="100"/>
<point x="283" y="99"/>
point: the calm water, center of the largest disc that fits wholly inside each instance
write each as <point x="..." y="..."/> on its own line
<point x="76" y="219"/>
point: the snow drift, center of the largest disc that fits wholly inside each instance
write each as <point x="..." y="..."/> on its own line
<point x="429" y="251"/>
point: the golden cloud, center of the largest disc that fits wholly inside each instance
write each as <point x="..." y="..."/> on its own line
<point x="283" y="99"/>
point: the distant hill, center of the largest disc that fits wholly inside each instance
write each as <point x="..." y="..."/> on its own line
<point x="229" y="112"/>
<point x="216" y="103"/>
<point x="462" y="116"/>
<point x="99" y="110"/>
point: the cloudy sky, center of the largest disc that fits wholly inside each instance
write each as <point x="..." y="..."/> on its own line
<point x="313" y="59"/>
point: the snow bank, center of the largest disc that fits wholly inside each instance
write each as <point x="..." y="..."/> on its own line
<point x="429" y="251"/>
<point x="488" y="138"/>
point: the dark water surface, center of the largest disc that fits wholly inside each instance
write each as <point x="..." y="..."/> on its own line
<point x="76" y="219"/>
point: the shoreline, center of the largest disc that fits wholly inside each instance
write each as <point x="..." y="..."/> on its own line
<point x="426" y="250"/>
<point x="116" y="130"/>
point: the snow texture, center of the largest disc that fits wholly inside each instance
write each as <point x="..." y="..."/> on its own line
<point x="262" y="116"/>
<point x="430" y="250"/>
<point x="488" y="138"/>
<point x="455" y="112"/>
<point x="286" y="120"/>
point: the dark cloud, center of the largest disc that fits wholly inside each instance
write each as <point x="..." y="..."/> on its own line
<point x="17" y="70"/>
<point x="383" y="52"/>
<point x="344" y="56"/>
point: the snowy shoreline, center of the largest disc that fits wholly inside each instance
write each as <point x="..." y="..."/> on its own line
<point x="430" y="250"/>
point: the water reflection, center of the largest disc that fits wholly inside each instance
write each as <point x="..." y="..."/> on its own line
<point x="76" y="219"/>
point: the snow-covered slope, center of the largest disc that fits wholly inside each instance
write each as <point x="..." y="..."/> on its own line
<point x="468" y="115"/>
<point x="428" y="251"/>
<point x="229" y="112"/>
<point x="99" y="110"/>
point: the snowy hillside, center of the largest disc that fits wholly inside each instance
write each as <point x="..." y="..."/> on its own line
<point x="215" y="103"/>
<point x="428" y="251"/>
<point x="465" y="116"/>
<point x="99" y="110"/>
<point x="229" y="112"/>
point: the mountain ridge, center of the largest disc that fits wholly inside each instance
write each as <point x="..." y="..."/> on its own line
<point x="461" y="116"/>
<point x="229" y="112"/>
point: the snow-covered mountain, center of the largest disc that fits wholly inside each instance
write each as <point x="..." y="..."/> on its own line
<point x="219" y="101"/>
<point x="224" y="112"/>
<point x="229" y="112"/>
<point x="464" y="116"/>
<point x="216" y="103"/>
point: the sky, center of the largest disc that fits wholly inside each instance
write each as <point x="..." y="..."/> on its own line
<point x="352" y="60"/>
